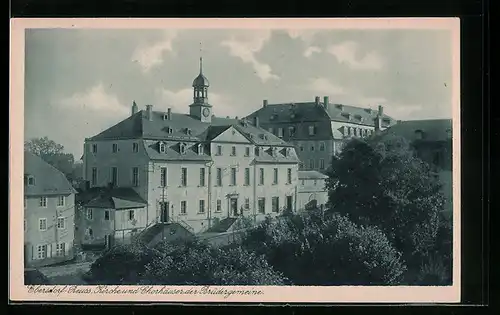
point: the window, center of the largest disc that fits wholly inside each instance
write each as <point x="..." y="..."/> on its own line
<point x="41" y="251"/>
<point x="312" y="130"/>
<point x="233" y="151"/>
<point x="280" y="132"/>
<point x="289" y="176"/>
<point x="322" y="164"/>
<point x="135" y="176"/>
<point x="114" y="176"/>
<point x="131" y="215"/>
<point x="163" y="177"/>
<point x="183" y="207"/>
<point x="94" y="176"/>
<point x="219" y="176"/>
<point x="275" y="176"/>
<point x="247" y="204"/>
<point x="89" y="214"/>
<point x="312" y="147"/>
<point x="106" y="215"/>
<point x="322" y="146"/>
<point x="135" y="147"/>
<point x="43" y="202"/>
<point x="219" y="150"/>
<point x="202" y="206"/>
<point x="302" y="182"/>
<point x="247" y="151"/>
<point x="301" y="148"/>
<point x="233" y="176"/>
<point x="200" y="149"/>
<point x="162" y="147"/>
<point x="247" y="176"/>
<point x="261" y="176"/>
<point x="89" y="232"/>
<point x="275" y="204"/>
<point x="257" y="151"/>
<point x="291" y="131"/>
<point x="219" y="206"/>
<point x="94" y="148"/>
<point x="61" y="223"/>
<point x="184" y="177"/>
<point x="202" y="176"/>
<point x="315" y="182"/>
<point x="271" y="130"/>
<point x="42" y="224"/>
<point x="61" y="201"/>
<point x="311" y="164"/>
<point x="115" y="147"/>
<point x="29" y="180"/>
<point x="262" y="205"/>
<point x="60" y="249"/>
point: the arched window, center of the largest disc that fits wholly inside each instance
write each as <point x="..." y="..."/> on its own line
<point x="200" y="149"/>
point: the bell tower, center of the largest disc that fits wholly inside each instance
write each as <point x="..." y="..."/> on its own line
<point x="200" y="108"/>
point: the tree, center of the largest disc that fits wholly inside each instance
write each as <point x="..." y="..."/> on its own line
<point x="313" y="249"/>
<point x="380" y="182"/>
<point x="183" y="263"/>
<point x="52" y="153"/>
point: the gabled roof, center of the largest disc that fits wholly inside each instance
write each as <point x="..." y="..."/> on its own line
<point x="183" y="127"/>
<point x="312" y="112"/>
<point x="431" y="129"/>
<point x="117" y="198"/>
<point x="311" y="175"/>
<point x="48" y="179"/>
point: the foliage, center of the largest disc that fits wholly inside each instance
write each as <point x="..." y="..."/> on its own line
<point x="312" y="249"/>
<point x="243" y="222"/>
<point x="52" y="153"/>
<point x="380" y="182"/>
<point x="182" y="263"/>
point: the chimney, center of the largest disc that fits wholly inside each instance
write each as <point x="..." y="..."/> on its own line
<point x="326" y="101"/>
<point x="380" y="110"/>
<point x="149" y="112"/>
<point x="256" y="121"/>
<point x="378" y="123"/>
<point x="135" y="109"/>
<point x="316" y="100"/>
<point x="169" y="113"/>
<point x="264" y="103"/>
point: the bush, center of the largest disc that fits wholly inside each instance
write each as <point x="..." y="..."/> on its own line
<point x="313" y="250"/>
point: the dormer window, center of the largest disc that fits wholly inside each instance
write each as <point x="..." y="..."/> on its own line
<point x="312" y="130"/>
<point x="169" y="130"/>
<point x="200" y="149"/>
<point x="182" y="148"/>
<point x="29" y="180"/>
<point x="257" y="151"/>
<point x="291" y="131"/>
<point x="188" y="131"/>
<point x="287" y="152"/>
<point x="162" y="147"/>
<point x="280" y="132"/>
<point x="358" y="117"/>
<point x="419" y="134"/>
<point x="271" y="130"/>
<point x="274" y="152"/>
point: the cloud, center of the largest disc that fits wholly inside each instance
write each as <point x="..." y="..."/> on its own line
<point x="304" y="35"/>
<point x="245" y="45"/>
<point x="345" y="52"/>
<point x="95" y="99"/>
<point x="180" y="100"/>
<point x="323" y="85"/>
<point x="150" y="56"/>
<point x="311" y="50"/>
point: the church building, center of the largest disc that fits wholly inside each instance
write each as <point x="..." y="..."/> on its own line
<point x="194" y="170"/>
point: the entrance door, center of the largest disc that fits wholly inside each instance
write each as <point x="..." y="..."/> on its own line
<point x="289" y="205"/>
<point x="234" y="206"/>
<point x="164" y="208"/>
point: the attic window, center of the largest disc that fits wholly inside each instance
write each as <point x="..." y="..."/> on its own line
<point x="188" y="131"/>
<point x="161" y="147"/>
<point x="29" y="180"/>
<point x="419" y="134"/>
<point x="287" y="151"/>
<point x="312" y="130"/>
<point x="291" y="131"/>
<point x="168" y="130"/>
<point x="200" y="149"/>
<point x="257" y="151"/>
<point x="274" y="152"/>
<point x="182" y="148"/>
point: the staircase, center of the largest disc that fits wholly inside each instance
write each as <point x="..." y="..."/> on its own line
<point x="164" y="232"/>
<point x="222" y="226"/>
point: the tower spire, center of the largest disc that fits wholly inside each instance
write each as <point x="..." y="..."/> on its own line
<point x="201" y="60"/>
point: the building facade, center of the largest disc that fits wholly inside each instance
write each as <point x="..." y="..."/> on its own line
<point x="311" y="190"/>
<point x="194" y="169"/>
<point x="49" y="214"/>
<point x="318" y="129"/>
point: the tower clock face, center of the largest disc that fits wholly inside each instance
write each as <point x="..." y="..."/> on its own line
<point x="206" y="112"/>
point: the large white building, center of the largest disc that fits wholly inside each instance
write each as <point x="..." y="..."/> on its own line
<point x="193" y="169"/>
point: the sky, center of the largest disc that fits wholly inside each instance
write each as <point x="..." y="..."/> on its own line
<point x="79" y="82"/>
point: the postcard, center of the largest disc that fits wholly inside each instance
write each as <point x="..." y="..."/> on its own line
<point x="235" y="160"/>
